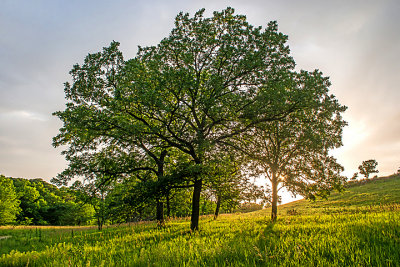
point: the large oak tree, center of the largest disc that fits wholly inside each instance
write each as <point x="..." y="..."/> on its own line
<point x="210" y="81"/>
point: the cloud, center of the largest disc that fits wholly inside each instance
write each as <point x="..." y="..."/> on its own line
<point x="22" y="114"/>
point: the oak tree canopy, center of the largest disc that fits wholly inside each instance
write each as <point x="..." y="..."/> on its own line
<point x="214" y="84"/>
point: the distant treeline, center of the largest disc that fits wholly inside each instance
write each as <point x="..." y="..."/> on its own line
<point x="37" y="202"/>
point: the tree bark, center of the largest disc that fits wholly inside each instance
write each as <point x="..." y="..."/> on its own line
<point x="194" y="225"/>
<point x="160" y="174"/>
<point x="168" y="204"/>
<point x="218" y="206"/>
<point x="99" y="223"/>
<point x="274" y="211"/>
<point x="160" y="213"/>
<point x="101" y="213"/>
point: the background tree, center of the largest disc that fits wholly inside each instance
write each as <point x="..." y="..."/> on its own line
<point x="231" y="188"/>
<point x="132" y="200"/>
<point x="95" y="194"/>
<point x="31" y="202"/>
<point x="252" y="193"/>
<point x="70" y="213"/>
<point x="293" y="152"/>
<point x="9" y="203"/>
<point x="41" y="203"/>
<point x="367" y="167"/>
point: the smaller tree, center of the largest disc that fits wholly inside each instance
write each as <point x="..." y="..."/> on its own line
<point x="9" y="203"/>
<point x="367" y="167"/>
<point x="31" y="202"/>
<point x="94" y="193"/>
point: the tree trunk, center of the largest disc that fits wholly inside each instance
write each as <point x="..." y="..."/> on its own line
<point x="100" y="220"/>
<point x="194" y="225"/>
<point x="274" y="211"/>
<point x="160" y="213"/>
<point x="99" y="223"/>
<point x="218" y="206"/>
<point x="101" y="213"/>
<point x="168" y="204"/>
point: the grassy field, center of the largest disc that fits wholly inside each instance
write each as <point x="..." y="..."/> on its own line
<point x="360" y="227"/>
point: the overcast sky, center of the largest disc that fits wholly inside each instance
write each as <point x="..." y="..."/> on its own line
<point x="355" y="43"/>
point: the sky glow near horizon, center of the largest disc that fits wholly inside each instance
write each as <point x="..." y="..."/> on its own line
<point x="355" y="43"/>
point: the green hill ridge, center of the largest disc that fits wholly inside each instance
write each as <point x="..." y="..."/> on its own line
<point x="370" y="193"/>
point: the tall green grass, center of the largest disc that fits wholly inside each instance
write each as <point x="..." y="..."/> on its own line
<point x="352" y="235"/>
<point x="370" y="194"/>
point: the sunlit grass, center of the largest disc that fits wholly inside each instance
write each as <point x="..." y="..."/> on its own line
<point x="318" y="235"/>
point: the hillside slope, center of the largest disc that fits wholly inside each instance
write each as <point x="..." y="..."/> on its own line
<point x="373" y="193"/>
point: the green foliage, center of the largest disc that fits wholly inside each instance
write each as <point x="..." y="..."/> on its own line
<point x="294" y="152"/>
<point x="212" y="79"/>
<point x="95" y="195"/>
<point x="70" y="213"/>
<point x="41" y="203"/>
<point x="9" y="203"/>
<point x="230" y="186"/>
<point x="180" y="202"/>
<point x="367" y="167"/>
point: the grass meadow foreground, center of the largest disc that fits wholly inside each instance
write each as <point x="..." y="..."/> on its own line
<point x="346" y="230"/>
